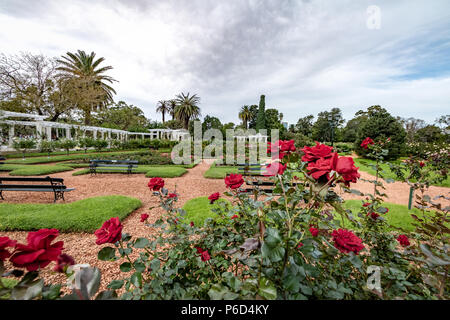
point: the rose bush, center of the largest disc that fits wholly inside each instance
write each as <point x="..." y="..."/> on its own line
<point x="298" y="243"/>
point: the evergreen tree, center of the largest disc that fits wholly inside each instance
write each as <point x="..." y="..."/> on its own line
<point x="261" y="119"/>
<point x="381" y="125"/>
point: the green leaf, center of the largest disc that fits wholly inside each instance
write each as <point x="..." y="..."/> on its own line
<point x="136" y="279"/>
<point x="28" y="290"/>
<point x="217" y="292"/>
<point x="52" y="292"/>
<point x="267" y="290"/>
<point x="273" y="254"/>
<point x="141" y="243"/>
<point x="107" y="254"/>
<point x="125" y="267"/>
<point x="115" y="284"/>
<point x="272" y="237"/>
<point x="139" y="266"/>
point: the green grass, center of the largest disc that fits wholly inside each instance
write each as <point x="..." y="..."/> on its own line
<point x="364" y="165"/>
<point x="59" y="158"/>
<point x="219" y="172"/>
<point x="199" y="209"/>
<point x="39" y="170"/>
<point x="85" y="215"/>
<point x="398" y="216"/>
<point x="167" y="171"/>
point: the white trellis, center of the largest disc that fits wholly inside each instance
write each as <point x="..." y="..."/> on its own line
<point x="54" y="130"/>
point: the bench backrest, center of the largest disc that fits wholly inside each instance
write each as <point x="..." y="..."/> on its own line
<point x="31" y="179"/>
<point x="2" y="159"/>
<point x="131" y="162"/>
<point x="251" y="169"/>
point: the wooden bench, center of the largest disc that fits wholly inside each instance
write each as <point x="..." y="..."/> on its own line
<point x="2" y="159"/>
<point x="255" y="172"/>
<point x="55" y="185"/>
<point x="112" y="165"/>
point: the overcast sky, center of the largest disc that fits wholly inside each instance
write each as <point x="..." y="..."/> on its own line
<point x="305" y="56"/>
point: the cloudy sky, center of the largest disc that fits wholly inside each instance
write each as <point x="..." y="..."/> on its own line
<point x="305" y="56"/>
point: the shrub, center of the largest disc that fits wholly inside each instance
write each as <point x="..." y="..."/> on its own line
<point x="100" y="144"/>
<point x="47" y="146"/>
<point x="23" y="145"/>
<point x="380" y="125"/>
<point x="66" y="144"/>
<point x="86" y="143"/>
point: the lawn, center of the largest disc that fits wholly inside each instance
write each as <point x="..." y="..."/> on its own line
<point x="198" y="209"/>
<point x="219" y="172"/>
<point x="364" y="165"/>
<point x="85" y="215"/>
<point x="398" y="216"/>
<point x="167" y="171"/>
<point x="33" y="170"/>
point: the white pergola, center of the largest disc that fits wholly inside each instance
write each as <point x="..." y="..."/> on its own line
<point x="48" y="130"/>
<point x="252" y="138"/>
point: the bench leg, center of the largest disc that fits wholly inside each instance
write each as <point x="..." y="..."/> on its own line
<point x="59" y="195"/>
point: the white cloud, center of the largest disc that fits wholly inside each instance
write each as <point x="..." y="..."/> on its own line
<point x="305" y="56"/>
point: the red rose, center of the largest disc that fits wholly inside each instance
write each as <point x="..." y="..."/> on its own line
<point x="144" y="217"/>
<point x="366" y="142"/>
<point x="275" y="168"/>
<point x="345" y="166"/>
<point x="213" y="197"/>
<point x="234" y="217"/>
<point x="345" y="241"/>
<point x="234" y="181"/>
<point x="300" y="245"/>
<point x="110" y="232"/>
<point x="38" y="252"/>
<point x="320" y="168"/>
<point x="403" y="240"/>
<point x="6" y="242"/>
<point x="205" y="255"/>
<point x="316" y="152"/>
<point x="314" y="231"/>
<point x="172" y="195"/>
<point x="192" y="224"/>
<point x="366" y="204"/>
<point x="156" y="184"/>
<point x="64" y="261"/>
<point x="421" y="164"/>
<point x="199" y="250"/>
<point x="283" y="147"/>
<point x="373" y="215"/>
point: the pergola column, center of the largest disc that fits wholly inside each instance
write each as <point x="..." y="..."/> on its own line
<point x="68" y="136"/>
<point x="48" y="133"/>
<point x="94" y="134"/>
<point x="11" y="136"/>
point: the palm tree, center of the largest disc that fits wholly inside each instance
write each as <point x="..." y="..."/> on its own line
<point x="245" y="115"/>
<point x="172" y="106"/>
<point x="187" y="108"/>
<point x="86" y="68"/>
<point x="163" y="107"/>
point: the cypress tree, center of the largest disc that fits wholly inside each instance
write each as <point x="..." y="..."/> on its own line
<point x="261" y="119"/>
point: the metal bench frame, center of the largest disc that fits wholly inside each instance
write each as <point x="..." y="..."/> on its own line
<point x="56" y="186"/>
<point x="121" y="165"/>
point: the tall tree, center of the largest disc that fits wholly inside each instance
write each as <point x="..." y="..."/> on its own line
<point x="253" y="116"/>
<point x="261" y="119"/>
<point x="326" y="122"/>
<point x="411" y="126"/>
<point x="163" y="108"/>
<point x="172" y="106"/>
<point x="187" y="108"/>
<point x="245" y="115"/>
<point x="304" y="125"/>
<point x="122" y="116"/>
<point x="86" y="67"/>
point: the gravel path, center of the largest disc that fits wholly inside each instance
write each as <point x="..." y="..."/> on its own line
<point x="82" y="245"/>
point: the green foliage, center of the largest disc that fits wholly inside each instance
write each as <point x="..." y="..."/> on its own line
<point x="87" y="142"/>
<point x="100" y="144"/>
<point x="66" y="144"/>
<point x="47" y="147"/>
<point x="85" y="215"/>
<point x="23" y="145"/>
<point x="166" y="172"/>
<point x="219" y="172"/>
<point x="380" y="125"/>
<point x="123" y="117"/>
<point x="199" y="209"/>
<point x="304" y="126"/>
<point x="261" y="119"/>
<point x="350" y="132"/>
<point x="431" y="134"/>
<point x="324" y="129"/>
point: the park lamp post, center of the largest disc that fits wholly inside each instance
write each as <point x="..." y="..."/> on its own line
<point x="331" y="122"/>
